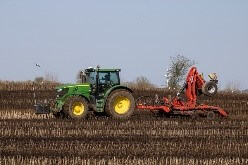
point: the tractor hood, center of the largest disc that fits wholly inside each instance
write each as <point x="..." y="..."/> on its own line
<point x="67" y="90"/>
<point x="72" y="86"/>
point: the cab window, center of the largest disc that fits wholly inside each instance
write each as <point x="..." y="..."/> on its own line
<point x="108" y="77"/>
<point x="91" y="78"/>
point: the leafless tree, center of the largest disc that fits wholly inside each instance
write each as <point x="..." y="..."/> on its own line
<point x="140" y="83"/>
<point x="48" y="77"/>
<point x="233" y="86"/>
<point x="178" y="69"/>
<point x="39" y="80"/>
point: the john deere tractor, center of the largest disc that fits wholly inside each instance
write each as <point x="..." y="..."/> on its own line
<point x="100" y="92"/>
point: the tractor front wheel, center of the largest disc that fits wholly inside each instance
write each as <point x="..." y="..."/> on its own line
<point x="120" y="104"/>
<point x="76" y="107"/>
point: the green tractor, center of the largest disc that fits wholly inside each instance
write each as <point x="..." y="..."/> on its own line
<point x="100" y="92"/>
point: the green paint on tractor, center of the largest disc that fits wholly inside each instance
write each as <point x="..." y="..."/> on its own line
<point x="99" y="91"/>
<point x="66" y="91"/>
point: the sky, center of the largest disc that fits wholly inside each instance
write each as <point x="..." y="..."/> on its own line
<point x="138" y="36"/>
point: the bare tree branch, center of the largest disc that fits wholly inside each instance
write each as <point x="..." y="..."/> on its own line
<point x="177" y="71"/>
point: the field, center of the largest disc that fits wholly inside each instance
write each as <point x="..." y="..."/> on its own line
<point x="26" y="138"/>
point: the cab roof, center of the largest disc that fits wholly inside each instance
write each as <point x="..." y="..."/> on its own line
<point x="102" y="70"/>
<point x="109" y="70"/>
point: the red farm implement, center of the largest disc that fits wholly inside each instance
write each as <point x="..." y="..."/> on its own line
<point x="194" y="86"/>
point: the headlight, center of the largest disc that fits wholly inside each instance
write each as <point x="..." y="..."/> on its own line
<point x="62" y="92"/>
<point x="59" y="90"/>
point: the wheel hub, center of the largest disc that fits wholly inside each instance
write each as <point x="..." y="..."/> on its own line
<point x="211" y="89"/>
<point x="78" y="108"/>
<point x="122" y="105"/>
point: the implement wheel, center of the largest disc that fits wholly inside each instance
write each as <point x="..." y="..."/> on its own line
<point x="211" y="115"/>
<point x="120" y="104"/>
<point x="76" y="107"/>
<point x="197" y="114"/>
<point x="210" y="88"/>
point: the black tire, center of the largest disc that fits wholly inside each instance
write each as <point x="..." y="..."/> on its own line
<point x="76" y="107"/>
<point x="211" y="115"/>
<point x="210" y="88"/>
<point x="114" y="107"/>
<point x="195" y="115"/>
<point x="99" y="114"/>
<point x="59" y="115"/>
<point x="162" y="113"/>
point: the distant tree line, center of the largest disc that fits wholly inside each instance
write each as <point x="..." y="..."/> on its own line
<point x="175" y="77"/>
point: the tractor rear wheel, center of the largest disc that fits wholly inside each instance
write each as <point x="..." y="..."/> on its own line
<point x="76" y="107"/>
<point x="120" y="104"/>
<point x="209" y="88"/>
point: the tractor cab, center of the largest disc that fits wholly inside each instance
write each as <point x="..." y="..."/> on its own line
<point x="101" y="76"/>
<point x="100" y="80"/>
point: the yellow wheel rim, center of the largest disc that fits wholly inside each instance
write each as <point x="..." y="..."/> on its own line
<point x="78" y="108"/>
<point x="122" y="105"/>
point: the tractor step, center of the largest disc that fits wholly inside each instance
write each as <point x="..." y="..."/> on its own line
<point x="99" y="105"/>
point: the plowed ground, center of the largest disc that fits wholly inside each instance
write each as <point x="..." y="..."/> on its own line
<point x="26" y="138"/>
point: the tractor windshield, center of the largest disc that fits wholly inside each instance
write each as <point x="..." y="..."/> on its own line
<point x="91" y="78"/>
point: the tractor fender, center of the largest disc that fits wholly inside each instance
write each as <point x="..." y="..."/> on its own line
<point x="83" y="96"/>
<point x="60" y="103"/>
<point x="116" y="88"/>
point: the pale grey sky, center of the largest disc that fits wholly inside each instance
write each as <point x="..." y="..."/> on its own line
<point x="138" y="36"/>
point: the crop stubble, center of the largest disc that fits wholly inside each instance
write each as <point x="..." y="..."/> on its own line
<point x="26" y="138"/>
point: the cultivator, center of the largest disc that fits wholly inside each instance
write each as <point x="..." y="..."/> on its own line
<point x="194" y="86"/>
